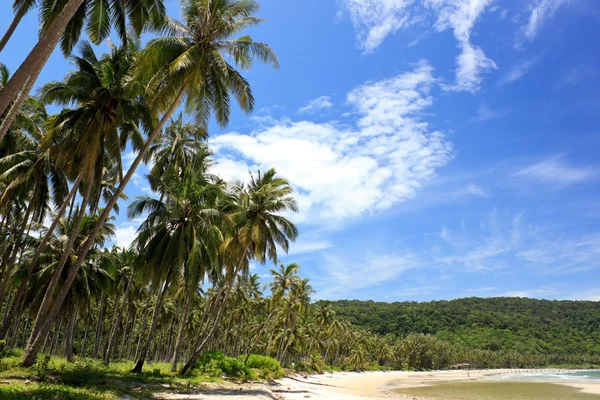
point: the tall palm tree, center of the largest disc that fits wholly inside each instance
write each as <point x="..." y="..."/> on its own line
<point x="82" y="139"/>
<point x="191" y="62"/>
<point x="64" y="21"/>
<point x="258" y="229"/>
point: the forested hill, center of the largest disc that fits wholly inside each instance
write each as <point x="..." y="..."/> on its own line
<point x="504" y="323"/>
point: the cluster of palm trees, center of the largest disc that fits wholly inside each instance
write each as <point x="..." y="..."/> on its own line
<point x="71" y="160"/>
<point x="184" y="286"/>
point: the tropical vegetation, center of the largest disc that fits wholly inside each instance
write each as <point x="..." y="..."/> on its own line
<point x="182" y="302"/>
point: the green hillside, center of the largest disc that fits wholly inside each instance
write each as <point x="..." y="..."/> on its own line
<point x="523" y="325"/>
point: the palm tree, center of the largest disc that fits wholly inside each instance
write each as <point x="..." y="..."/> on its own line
<point x="31" y="169"/>
<point x="190" y="62"/>
<point x="180" y="234"/>
<point x="258" y="227"/>
<point x="82" y="139"/>
<point x="284" y="280"/>
<point x="179" y="145"/>
<point x="64" y="22"/>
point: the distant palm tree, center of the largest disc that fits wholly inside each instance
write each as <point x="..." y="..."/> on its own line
<point x="258" y="227"/>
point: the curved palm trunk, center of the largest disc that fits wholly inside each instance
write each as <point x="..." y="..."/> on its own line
<point x="38" y="325"/>
<point x="44" y="46"/>
<point x="23" y="95"/>
<point x="262" y="331"/>
<point x="16" y="248"/>
<point x="115" y="323"/>
<point x="157" y="308"/>
<point x="190" y="363"/>
<point x="186" y="311"/>
<point x="30" y="356"/>
<point x="11" y="28"/>
<point x="16" y="304"/>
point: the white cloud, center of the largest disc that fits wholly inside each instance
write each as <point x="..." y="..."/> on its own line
<point x="588" y="295"/>
<point x="461" y="16"/>
<point x="540" y="11"/>
<point x="555" y="171"/>
<point x="480" y="290"/>
<point x="374" y="20"/>
<point x="309" y="246"/>
<point x="342" y="171"/>
<point x="319" y="103"/>
<point x="544" y="292"/>
<point x="124" y="236"/>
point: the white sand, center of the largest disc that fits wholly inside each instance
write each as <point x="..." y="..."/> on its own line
<point x="347" y="386"/>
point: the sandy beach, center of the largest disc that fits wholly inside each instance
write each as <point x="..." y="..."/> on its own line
<point x="349" y="386"/>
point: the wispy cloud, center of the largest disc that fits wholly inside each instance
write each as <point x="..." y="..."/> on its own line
<point x="344" y="171"/>
<point x="481" y="290"/>
<point x="518" y="71"/>
<point x="485" y="113"/>
<point x="319" y="103"/>
<point x="461" y="16"/>
<point x="540" y="12"/>
<point x="555" y="171"/>
<point x="577" y="74"/>
<point x="544" y="292"/>
<point x="374" y="20"/>
<point x="343" y="276"/>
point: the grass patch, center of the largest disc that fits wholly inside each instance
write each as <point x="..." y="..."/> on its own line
<point x="87" y="379"/>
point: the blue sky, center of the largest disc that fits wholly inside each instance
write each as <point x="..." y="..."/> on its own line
<point x="439" y="148"/>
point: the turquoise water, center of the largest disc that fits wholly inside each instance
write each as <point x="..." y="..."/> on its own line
<point x="555" y="376"/>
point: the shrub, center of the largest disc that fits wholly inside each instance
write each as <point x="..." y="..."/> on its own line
<point x="264" y="363"/>
<point x="215" y="363"/>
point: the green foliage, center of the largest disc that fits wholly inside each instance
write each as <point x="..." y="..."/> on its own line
<point x="270" y="367"/>
<point x="520" y="325"/>
<point x="215" y="363"/>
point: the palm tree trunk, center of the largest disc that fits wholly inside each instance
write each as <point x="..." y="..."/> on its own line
<point x="262" y="330"/>
<point x="16" y="305"/>
<point x="186" y="311"/>
<point x="30" y="355"/>
<point x="128" y="326"/>
<point x="23" y="95"/>
<point x="157" y="308"/>
<point x="44" y="46"/>
<point x="42" y="325"/>
<point x="190" y="363"/>
<point x="11" y="28"/>
<point x="85" y="336"/>
<point x="70" y="332"/>
<point x="116" y="322"/>
<point x="16" y="248"/>
<point x="99" y="328"/>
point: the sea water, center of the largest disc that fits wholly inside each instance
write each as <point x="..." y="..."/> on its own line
<point x="512" y="386"/>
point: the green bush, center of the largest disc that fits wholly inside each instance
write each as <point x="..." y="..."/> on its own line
<point x="263" y="363"/>
<point x="215" y="363"/>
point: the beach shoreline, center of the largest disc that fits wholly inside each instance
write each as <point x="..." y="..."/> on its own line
<point x="377" y="385"/>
